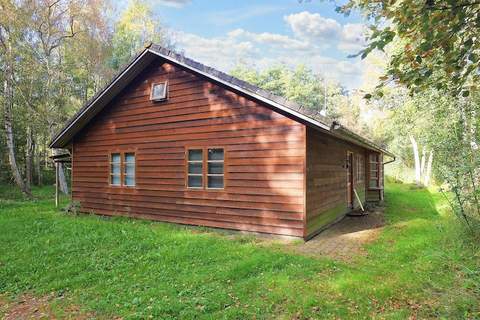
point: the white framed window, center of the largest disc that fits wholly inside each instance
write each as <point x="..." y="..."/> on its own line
<point x="195" y="168"/>
<point x="215" y="165"/>
<point x="129" y="169"/>
<point x="115" y="169"/>
<point x="205" y="168"/>
<point x="158" y="91"/>
<point x="374" y="180"/>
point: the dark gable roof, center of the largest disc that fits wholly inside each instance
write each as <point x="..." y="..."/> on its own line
<point x="144" y="58"/>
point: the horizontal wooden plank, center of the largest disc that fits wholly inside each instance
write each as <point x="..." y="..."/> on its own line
<point x="264" y="158"/>
<point x="291" y="231"/>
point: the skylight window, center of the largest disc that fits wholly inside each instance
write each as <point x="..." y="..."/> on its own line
<point x="159" y="91"/>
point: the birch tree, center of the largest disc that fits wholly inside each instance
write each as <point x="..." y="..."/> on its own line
<point x="9" y="42"/>
<point x="416" y="159"/>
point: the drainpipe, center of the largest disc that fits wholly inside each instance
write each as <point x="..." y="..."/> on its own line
<point x="390" y="161"/>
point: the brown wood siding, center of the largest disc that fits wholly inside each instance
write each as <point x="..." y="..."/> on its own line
<point x="264" y="156"/>
<point x="326" y="183"/>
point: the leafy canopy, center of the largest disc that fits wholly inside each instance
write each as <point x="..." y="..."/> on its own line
<point x="437" y="41"/>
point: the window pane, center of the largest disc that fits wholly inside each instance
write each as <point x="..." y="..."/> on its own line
<point x="215" y="167"/>
<point x="115" y="180"/>
<point x="215" y="154"/>
<point x="159" y="91"/>
<point x="130" y="169"/>
<point x="373" y="183"/>
<point x="130" y="157"/>
<point x="194" y="181"/>
<point x="116" y="157"/>
<point x="215" y="182"/>
<point x="195" y="167"/>
<point x="129" y="180"/>
<point x="195" y="155"/>
<point x="115" y="168"/>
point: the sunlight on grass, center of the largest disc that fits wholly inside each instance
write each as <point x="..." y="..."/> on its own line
<point x="135" y="269"/>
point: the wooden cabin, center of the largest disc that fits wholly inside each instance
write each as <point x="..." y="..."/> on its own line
<point x="173" y="140"/>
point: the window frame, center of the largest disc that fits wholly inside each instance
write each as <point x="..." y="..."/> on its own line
<point x="122" y="169"/>
<point x="165" y="83"/>
<point x="205" y="163"/>
<point x="187" y="174"/>
<point x="373" y="166"/>
<point x="214" y="174"/>
<point x="360" y="166"/>
<point x="110" y="174"/>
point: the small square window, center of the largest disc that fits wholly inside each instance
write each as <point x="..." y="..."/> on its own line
<point x="158" y="91"/>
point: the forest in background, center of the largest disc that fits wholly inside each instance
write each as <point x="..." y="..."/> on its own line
<point x="419" y="99"/>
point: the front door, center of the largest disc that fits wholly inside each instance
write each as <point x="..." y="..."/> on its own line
<point x="350" y="166"/>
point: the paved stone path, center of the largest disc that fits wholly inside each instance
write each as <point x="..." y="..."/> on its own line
<point x="346" y="238"/>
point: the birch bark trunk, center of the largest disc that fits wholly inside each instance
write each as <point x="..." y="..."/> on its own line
<point x="8" y="124"/>
<point x="29" y="158"/>
<point x="417" y="160"/>
<point x="38" y="164"/>
<point x="428" y="171"/>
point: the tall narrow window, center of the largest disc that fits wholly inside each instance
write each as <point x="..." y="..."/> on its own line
<point x="115" y="169"/>
<point x="129" y="169"/>
<point x="360" y="171"/>
<point x="374" y="171"/>
<point x="215" y="168"/>
<point x="195" y="168"/>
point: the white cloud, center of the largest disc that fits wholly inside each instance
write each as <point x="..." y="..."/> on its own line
<point x="311" y="35"/>
<point x="314" y="28"/>
<point x="267" y="38"/>
<point x="222" y="52"/>
<point x="312" y="25"/>
<point x="353" y="37"/>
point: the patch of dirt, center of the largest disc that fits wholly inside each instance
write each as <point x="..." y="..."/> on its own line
<point x="345" y="239"/>
<point x="30" y="307"/>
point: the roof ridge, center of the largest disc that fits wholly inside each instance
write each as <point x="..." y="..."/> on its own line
<point x="314" y="114"/>
<point x="307" y="115"/>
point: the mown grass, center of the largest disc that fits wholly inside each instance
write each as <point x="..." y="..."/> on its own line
<point x="423" y="264"/>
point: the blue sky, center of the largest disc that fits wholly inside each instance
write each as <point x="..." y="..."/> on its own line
<point x="263" y="33"/>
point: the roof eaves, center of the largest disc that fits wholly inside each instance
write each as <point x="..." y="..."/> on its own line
<point x="337" y="128"/>
<point x="91" y="102"/>
<point x="307" y="115"/>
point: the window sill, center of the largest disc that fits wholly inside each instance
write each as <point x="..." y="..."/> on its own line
<point x="375" y="188"/>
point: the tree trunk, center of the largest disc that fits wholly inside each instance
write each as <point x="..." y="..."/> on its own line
<point x="29" y="158"/>
<point x="8" y="123"/>
<point x="428" y="171"/>
<point x="422" y="163"/>
<point x="417" y="160"/>
<point x="37" y="163"/>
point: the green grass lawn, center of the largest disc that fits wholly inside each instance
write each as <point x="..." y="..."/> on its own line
<point x="423" y="264"/>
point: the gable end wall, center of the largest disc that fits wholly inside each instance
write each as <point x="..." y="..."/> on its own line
<point x="264" y="161"/>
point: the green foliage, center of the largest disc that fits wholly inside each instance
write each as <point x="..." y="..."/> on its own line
<point x="60" y="53"/>
<point x="139" y="269"/>
<point x="136" y="27"/>
<point x="435" y="42"/>
<point x="306" y="88"/>
<point x="450" y="127"/>
<point x="300" y="85"/>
